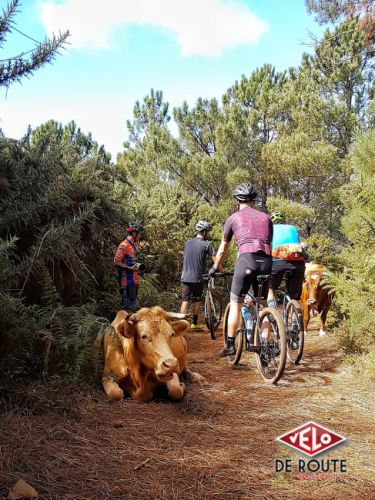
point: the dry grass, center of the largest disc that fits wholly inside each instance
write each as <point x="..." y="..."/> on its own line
<point x="219" y="442"/>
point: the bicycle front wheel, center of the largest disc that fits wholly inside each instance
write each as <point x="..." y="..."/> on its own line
<point x="208" y="313"/>
<point x="239" y="341"/>
<point x="212" y="313"/>
<point x="295" y="338"/>
<point x="270" y="339"/>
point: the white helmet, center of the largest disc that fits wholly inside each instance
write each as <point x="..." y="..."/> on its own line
<point x="202" y="225"/>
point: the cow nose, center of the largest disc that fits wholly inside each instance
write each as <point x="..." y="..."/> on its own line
<point x="170" y="364"/>
<point x="311" y="301"/>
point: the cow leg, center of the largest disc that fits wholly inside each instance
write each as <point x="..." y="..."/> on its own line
<point x="112" y="389"/>
<point x="110" y="386"/>
<point x="306" y="317"/>
<point x="195" y="377"/>
<point x="323" y="318"/>
<point x="175" y="388"/>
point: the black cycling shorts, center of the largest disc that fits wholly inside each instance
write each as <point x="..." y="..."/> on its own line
<point x="295" y="279"/>
<point x="248" y="267"/>
<point x="191" y="291"/>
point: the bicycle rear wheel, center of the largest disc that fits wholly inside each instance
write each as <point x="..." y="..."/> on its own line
<point x="271" y="340"/>
<point x="239" y="341"/>
<point x="212" y="313"/>
<point x="295" y="338"/>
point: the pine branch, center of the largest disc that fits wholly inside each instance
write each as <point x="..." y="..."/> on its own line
<point x="6" y="20"/>
<point x="14" y="69"/>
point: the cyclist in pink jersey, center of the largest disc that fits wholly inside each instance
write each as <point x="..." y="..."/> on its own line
<point x="253" y="232"/>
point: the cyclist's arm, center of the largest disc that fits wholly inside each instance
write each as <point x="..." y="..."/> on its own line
<point x="220" y="268"/>
<point x="221" y="253"/>
<point x="119" y="260"/>
<point x="211" y="252"/>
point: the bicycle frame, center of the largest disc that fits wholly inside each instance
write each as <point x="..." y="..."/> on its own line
<point x="258" y="307"/>
<point x="279" y="293"/>
<point x="284" y="299"/>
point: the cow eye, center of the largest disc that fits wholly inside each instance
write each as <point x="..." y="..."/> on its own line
<point x="144" y="337"/>
<point x="173" y="333"/>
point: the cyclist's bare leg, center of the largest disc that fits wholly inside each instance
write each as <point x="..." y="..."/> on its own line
<point x="185" y="307"/>
<point x="196" y="307"/>
<point x="266" y="327"/>
<point x="271" y="301"/>
<point x="234" y="318"/>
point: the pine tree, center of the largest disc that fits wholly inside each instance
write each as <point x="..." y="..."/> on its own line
<point x="57" y="237"/>
<point x="331" y="11"/>
<point x="355" y="284"/>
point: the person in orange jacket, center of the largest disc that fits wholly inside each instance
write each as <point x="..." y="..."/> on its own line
<point x="126" y="262"/>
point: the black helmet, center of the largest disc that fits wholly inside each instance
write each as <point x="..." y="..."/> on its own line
<point x="244" y="192"/>
<point x="134" y="227"/>
<point x="202" y="225"/>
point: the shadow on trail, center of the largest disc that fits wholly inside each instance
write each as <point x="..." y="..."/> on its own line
<point x="317" y="364"/>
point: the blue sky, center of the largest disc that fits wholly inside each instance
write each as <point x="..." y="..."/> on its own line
<point x="120" y="49"/>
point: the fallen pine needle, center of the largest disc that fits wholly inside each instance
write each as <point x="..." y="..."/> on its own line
<point x="139" y="466"/>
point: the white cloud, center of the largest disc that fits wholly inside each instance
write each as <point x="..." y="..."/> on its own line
<point x="105" y="119"/>
<point x="104" y="116"/>
<point x="202" y="27"/>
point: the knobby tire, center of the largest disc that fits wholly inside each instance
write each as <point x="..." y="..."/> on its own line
<point x="273" y="349"/>
<point x="293" y="309"/>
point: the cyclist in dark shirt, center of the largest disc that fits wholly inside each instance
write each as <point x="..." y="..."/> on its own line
<point x="252" y="230"/>
<point x="195" y="253"/>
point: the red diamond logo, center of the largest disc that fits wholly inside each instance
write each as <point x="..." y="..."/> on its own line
<point x="311" y="439"/>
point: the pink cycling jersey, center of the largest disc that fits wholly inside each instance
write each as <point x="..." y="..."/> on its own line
<point x="252" y="229"/>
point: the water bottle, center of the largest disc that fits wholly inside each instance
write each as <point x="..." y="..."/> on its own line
<point x="248" y="320"/>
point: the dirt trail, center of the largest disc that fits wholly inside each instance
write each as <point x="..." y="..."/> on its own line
<point x="219" y="442"/>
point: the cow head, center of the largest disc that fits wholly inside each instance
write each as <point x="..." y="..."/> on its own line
<point x="313" y="279"/>
<point x="151" y="331"/>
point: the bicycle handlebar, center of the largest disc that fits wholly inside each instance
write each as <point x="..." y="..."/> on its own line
<point x="218" y="275"/>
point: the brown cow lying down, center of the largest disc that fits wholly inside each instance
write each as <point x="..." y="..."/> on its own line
<point x="314" y="297"/>
<point x="146" y="350"/>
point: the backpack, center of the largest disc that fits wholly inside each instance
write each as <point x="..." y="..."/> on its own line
<point x="288" y="251"/>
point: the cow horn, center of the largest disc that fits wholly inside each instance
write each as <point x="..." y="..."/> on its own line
<point x="131" y="318"/>
<point x="173" y="315"/>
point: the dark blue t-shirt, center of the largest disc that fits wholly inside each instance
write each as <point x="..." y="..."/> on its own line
<point x="195" y="253"/>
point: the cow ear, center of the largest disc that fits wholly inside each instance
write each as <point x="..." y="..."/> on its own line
<point x="125" y="329"/>
<point x="180" y="326"/>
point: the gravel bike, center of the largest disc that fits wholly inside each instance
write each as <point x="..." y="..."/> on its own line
<point x="266" y="336"/>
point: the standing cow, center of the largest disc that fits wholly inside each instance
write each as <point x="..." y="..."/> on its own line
<point x="145" y="350"/>
<point x="314" y="296"/>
